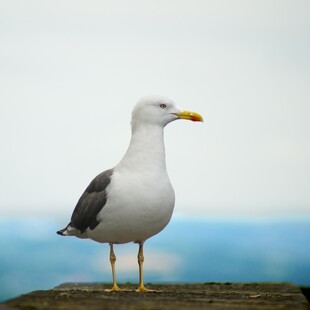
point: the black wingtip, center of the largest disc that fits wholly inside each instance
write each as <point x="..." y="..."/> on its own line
<point x="61" y="232"/>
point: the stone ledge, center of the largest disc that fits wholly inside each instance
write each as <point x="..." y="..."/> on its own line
<point x="168" y="296"/>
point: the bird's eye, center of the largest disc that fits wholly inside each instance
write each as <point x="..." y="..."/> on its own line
<point x="163" y="106"/>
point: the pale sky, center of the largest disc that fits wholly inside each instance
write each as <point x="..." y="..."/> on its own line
<point x="71" y="71"/>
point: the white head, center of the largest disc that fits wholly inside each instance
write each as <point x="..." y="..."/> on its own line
<point x="159" y="111"/>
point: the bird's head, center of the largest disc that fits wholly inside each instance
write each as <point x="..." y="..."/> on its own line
<point x="160" y="111"/>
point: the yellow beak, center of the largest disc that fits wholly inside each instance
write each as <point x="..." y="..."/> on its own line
<point x="192" y="116"/>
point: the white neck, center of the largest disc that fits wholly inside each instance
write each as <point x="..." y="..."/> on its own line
<point x="146" y="151"/>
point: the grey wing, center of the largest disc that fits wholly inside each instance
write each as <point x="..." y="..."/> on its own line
<point x="91" y="202"/>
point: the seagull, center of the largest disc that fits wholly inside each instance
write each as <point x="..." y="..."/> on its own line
<point x="134" y="200"/>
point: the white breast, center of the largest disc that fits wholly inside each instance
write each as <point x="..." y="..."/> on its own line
<point x="136" y="209"/>
<point x="140" y="196"/>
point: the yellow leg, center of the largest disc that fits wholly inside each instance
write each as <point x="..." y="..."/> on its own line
<point x="141" y="288"/>
<point x="113" y="260"/>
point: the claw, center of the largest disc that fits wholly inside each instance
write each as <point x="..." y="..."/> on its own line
<point x="143" y="289"/>
<point x="116" y="288"/>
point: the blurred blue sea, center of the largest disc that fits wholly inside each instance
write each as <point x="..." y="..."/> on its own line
<point x="33" y="257"/>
